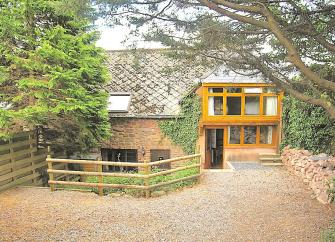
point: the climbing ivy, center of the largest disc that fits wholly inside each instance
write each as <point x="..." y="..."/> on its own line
<point x="307" y="126"/>
<point x="183" y="130"/>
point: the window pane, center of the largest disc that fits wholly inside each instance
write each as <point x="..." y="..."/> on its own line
<point x="215" y="90"/>
<point x="215" y="106"/>
<point x="266" y="134"/>
<point x="252" y="90"/>
<point x="233" y="105"/>
<point x="251" y="106"/>
<point x="234" y="134"/>
<point x="269" y="90"/>
<point x="234" y="89"/>
<point x="270" y="106"/>
<point x="250" y="134"/>
<point x="119" y="103"/>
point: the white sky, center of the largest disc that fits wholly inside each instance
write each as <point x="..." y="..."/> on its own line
<point x="112" y="39"/>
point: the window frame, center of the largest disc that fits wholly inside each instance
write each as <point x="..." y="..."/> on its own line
<point x="257" y="144"/>
<point x="225" y="94"/>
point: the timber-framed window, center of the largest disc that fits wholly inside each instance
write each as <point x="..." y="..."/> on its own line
<point x="242" y="101"/>
<point x="251" y="135"/>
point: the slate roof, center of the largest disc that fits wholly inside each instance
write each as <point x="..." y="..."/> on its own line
<point x="158" y="82"/>
<point x="224" y="75"/>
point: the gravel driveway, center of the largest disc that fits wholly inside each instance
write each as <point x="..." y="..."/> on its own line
<point x="245" y="205"/>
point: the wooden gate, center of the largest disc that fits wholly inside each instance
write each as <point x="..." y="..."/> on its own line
<point x="21" y="161"/>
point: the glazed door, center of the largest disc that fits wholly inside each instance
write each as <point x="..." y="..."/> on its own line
<point x="214" y="148"/>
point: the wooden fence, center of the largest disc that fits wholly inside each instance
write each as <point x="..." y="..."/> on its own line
<point x="146" y="173"/>
<point x="22" y="161"/>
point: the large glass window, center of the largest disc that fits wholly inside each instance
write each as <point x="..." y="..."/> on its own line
<point x="251" y="105"/>
<point x="250" y="134"/>
<point x="233" y="105"/>
<point x="270" y="105"/>
<point x="266" y="133"/>
<point x="242" y="101"/>
<point x="234" y="134"/>
<point x="215" y="106"/>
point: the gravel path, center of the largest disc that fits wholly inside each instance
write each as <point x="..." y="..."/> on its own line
<point x="246" y="205"/>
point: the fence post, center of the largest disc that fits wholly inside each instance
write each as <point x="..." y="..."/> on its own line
<point x="11" y="152"/>
<point x="30" y="137"/>
<point x="147" y="171"/>
<point x="200" y="170"/>
<point x="51" y="175"/>
<point x="100" y="177"/>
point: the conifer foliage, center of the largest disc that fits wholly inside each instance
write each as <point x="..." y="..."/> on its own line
<point x="51" y="72"/>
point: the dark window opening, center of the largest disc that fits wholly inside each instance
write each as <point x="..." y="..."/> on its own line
<point x="120" y="155"/>
<point x="157" y="155"/>
<point x="233" y="105"/>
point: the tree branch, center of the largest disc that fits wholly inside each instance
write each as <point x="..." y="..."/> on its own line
<point x="213" y="6"/>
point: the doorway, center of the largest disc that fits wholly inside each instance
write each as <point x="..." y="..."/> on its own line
<point x="214" y="148"/>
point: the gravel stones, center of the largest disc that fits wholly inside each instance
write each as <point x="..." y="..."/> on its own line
<point x="246" y="205"/>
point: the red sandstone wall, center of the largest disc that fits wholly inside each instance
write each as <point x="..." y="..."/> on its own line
<point x="135" y="133"/>
<point x="315" y="170"/>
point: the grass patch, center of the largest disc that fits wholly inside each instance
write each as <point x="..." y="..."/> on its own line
<point x="139" y="181"/>
<point x="328" y="235"/>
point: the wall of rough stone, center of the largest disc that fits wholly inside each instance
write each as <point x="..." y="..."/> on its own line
<point x="142" y="135"/>
<point x="316" y="171"/>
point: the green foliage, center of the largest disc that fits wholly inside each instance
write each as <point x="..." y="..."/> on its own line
<point x="307" y="126"/>
<point x="51" y="73"/>
<point x="183" y="130"/>
<point x="328" y="235"/>
<point x="331" y="191"/>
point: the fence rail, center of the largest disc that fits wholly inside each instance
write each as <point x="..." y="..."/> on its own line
<point x="146" y="174"/>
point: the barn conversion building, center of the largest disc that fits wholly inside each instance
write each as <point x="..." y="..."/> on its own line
<point x="241" y="115"/>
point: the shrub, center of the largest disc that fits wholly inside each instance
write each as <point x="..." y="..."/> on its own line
<point x="328" y="235"/>
<point x="307" y="126"/>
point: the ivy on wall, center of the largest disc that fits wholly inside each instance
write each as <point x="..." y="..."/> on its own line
<point x="307" y="126"/>
<point x="183" y="130"/>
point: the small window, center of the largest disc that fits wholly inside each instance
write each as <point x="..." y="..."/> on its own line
<point x="251" y="105"/>
<point x="270" y="90"/>
<point x="250" y="134"/>
<point x="119" y="102"/>
<point x="270" y="106"/>
<point x="252" y="90"/>
<point x="234" y="134"/>
<point x="215" y="90"/>
<point x="233" y="105"/>
<point x="121" y="155"/>
<point x="157" y="155"/>
<point x="215" y="106"/>
<point x="266" y="133"/>
<point x="234" y="89"/>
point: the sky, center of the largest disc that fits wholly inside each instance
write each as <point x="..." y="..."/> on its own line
<point x="112" y="39"/>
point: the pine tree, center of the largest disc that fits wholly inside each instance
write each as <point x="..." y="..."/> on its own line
<point x="51" y="72"/>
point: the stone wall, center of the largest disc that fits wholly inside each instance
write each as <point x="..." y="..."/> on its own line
<point x="315" y="170"/>
<point x="142" y="135"/>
